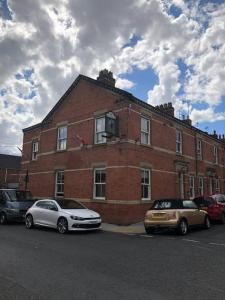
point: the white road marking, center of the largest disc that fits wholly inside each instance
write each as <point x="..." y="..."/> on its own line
<point x="192" y="241"/>
<point x="217" y="244"/>
<point x="147" y="236"/>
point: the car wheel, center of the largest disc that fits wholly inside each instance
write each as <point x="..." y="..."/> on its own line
<point x="182" y="227"/>
<point x="29" y="222"/>
<point x="207" y="223"/>
<point x="223" y="218"/>
<point x="149" y="230"/>
<point x="62" y="225"/>
<point x="3" y="219"/>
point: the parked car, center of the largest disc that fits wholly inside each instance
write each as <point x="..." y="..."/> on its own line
<point x="178" y="214"/>
<point x="63" y="215"/>
<point x="214" y="205"/>
<point x="14" y="204"/>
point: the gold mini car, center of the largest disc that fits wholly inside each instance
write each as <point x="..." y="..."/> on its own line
<point x="178" y="214"/>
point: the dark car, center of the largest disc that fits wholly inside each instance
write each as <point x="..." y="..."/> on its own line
<point x="214" y="205"/>
<point x="14" y="204"/>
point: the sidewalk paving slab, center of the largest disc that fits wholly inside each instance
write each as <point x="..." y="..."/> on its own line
<point x="137" y="228"/>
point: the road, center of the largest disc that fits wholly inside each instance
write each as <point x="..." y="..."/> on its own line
<point x="42" y="264"/>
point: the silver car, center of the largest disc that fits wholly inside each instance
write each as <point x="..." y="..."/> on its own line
<point x="62" y="214"/>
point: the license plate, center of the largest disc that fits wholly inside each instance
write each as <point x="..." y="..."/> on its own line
<point x="94" y="221"/>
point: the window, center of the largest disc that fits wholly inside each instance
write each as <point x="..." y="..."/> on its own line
<point x="199" y="149"/>
<point x="192" y="186"/>
<point x="145" y="184"/>
<point x="100" y="134"/>
<point x="181" y="185"/>
<point x="178" y="141"/>
<point x="145" y="131"/>
<point x="189" y="204"/>
<point x="62" y="138"/>
<point x="215" y="154"/>
<point x="201" y="185"/>
<point x="34" y="150"/>
<point x="99" y="183"/>
<point x="59" y="184"/>
<point x="217" y="185"/>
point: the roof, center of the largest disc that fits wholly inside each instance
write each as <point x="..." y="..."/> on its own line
<point x="10" y="161"/>
<point x="127" y="96"/>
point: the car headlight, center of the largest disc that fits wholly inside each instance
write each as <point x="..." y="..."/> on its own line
<point x="76" y="218"/>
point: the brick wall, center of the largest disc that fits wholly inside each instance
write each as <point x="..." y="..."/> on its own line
<point x="123" y="157"/>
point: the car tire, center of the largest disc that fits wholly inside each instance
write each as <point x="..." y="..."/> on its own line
<point x="62" y="225"/>
<point x="149" y="230"/>
<point x="29" y="222"/>
<point x="182" y="227"/>
<point x="207" y="223"/>
<point x="3" y="218"/>
<point x="223" y="218"/>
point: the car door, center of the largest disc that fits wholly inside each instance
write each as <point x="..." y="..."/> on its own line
<point x="37" y="212"/>
<point x="2" y="201"/>
<point x="49" y="214"/>
<point x="194" y="215"/>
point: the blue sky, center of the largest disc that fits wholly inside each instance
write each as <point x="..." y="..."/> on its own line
<point x="159" y="50"/>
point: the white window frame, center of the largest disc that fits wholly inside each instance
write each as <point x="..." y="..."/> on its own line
<point x="179" y="141"/>
<point x="61" y="141"/>
<point x="57" y="183"/>
<point x="215" y="155"/>
<point x="201" y="185"/>
<point x="101" y="133"/>
<point x="181" y="184"/>
<point x="99" y="183"/>
<point x="146" y="184"/>
<point x="217" y="185"/>
<point x="199" y="149"/>
<point x="192" y="186"/>
<point x="34" y="150"/>
<point x="145" y="134"/>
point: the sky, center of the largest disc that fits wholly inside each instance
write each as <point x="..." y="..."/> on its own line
<point x="159" y="50"/>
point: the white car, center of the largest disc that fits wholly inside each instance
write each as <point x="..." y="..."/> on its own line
<point x="63" y="215"/>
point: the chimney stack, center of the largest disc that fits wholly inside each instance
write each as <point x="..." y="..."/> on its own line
<point x="166" y="108"/>
<point x="106" y="77"/>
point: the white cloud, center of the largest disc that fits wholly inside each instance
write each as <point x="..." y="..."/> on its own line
<point x="122" y="83"/>
<point x="59" y="40"/>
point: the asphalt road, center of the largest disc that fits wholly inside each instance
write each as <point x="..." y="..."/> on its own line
<point x="42" y="264"/>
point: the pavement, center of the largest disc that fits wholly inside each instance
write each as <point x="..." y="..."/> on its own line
<point x="137" y="228"/>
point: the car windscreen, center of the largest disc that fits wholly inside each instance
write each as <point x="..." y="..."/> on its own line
<point x="189" y="204"/>
<point x="70" y="204"/>
<point x="166" y="204"/>
<point x="204" y="201"/>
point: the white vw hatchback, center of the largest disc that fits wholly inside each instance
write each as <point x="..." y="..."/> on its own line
<point x="63" y="215"/>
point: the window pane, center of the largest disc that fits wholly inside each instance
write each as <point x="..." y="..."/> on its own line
<point x="144" y="125"/>
<point x="100" y="124"/>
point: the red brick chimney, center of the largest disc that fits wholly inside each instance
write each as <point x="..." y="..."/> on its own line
<point x="166" y="108"/>
<point x="106" y="77"/>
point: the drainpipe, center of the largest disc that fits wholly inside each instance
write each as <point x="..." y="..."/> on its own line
<point x="6" y="175"/>
<point x="196" y="160"/>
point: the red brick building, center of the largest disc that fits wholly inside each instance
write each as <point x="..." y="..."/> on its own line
<point x="9" y="171"/>
<point x="115" y="153"/>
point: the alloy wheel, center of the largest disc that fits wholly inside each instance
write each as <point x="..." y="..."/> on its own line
<point x="62" y="225"/>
